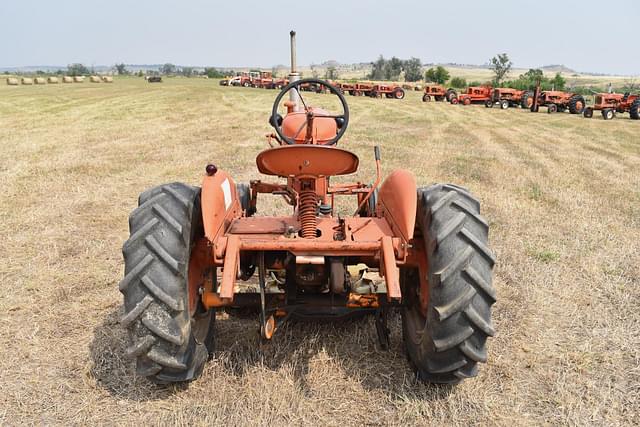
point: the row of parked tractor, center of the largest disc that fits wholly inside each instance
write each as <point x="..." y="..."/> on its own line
<point x="609" y="104"/>
<point x="266" y="80"/>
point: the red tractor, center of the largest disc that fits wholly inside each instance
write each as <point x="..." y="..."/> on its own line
<point x="362" y="88"/>
<point x="438" y="93"/>
<point x="189" y="246"/>
<point x="245" y="79"/>
<point x="507" y="97"/>
<point x="388" y="90"/>
<point x="611" y="103"/>
<point x="264" y="80"/>
<point x="474" y="95"/>
<point x="561" y="101"/>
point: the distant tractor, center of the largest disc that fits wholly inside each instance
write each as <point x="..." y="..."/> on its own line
<point x="280" y="83"/>
<point x="388" y="90"/>
<point x="346" y="88"/>
<point x="438" y="93"/>
<point x="611" y="103"/>
<point x="560" y="101"/>
<point x="362" y="89"/>
<point x="474" y="95"/>
<point x="506" y="97"/>
<point x="246" y="78"/>
<point x="154" y="79"/>
<point x="263" y="80"/>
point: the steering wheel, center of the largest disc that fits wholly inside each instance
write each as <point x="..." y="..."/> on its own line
<point x="342" y="120"/>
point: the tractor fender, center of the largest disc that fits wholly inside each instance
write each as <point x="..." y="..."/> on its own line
<point x="220" y="204"/>
<point x="397" y="202"/>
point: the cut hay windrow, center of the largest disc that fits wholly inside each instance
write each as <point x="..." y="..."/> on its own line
<point x="40" y="81"/>
<point x="53" y="80"/>
<point x="27" y="81"/>
<point x="67" y="79"/>
<point x="11" y="81"/>
<point x="78" y="79"/>
<point x="107" y="79"/>
<point x="95" y="79"/>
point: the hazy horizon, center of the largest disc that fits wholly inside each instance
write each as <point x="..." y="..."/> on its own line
<point x="204" y="34"/>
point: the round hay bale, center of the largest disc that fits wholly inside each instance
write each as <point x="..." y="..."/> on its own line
<point x="78" y="79"/>
<point x="95" y="79"/>
<point x="27" y="81"/>
<point x="53" y="80"/>
<point x="11" y="81"/>
<point x="107" y="79"/>
<point x="67" y="79"/>
<point x="40" y="80"/>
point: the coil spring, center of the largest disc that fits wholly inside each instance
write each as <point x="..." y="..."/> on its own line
<point x="307" y="205"/>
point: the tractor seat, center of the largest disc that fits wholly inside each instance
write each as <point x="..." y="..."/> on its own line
<point x="306" y="159"/>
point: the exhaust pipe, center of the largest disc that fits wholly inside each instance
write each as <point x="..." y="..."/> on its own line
<point x="294" y="96"/>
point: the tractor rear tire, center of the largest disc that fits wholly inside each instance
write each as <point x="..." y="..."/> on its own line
<point x="451" y="94"/>
<point x="588" y="112"/>
<point x="634" y="111"/>
<point x="169" y="344"/>
<point x="526" y="100"/>
<point x="398" y="93"/>
<point x="576" y="104"/>
<point x="445" y="344"/>
<point x="426" y="98"/>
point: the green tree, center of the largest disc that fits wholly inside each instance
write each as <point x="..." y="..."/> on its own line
<point x="168" y="69"/>
<point x="77" y="69"/>
<point x="500" y="65"/>
<point x="437" y="75"/>
<point x="392" y="69"/>
<point x="121" y="69"/>
<point x="558" y="82"/>
<point x="213" y="73"/>
<point x="412" y="70"/>
<point x="458" y="82"/>
<point x="332" y="73"/>
<point x="377" y="69"/>
<point x="186" y="71"/>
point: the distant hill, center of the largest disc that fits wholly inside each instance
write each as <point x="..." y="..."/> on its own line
<point x="558" y="68"/>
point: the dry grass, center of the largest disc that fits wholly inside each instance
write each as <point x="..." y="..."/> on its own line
<point x="562" y="194"/>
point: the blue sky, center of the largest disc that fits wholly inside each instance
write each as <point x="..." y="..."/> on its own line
<point x="243" y="33"/>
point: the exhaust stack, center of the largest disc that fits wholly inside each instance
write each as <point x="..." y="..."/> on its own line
<point x="294" y="97"/>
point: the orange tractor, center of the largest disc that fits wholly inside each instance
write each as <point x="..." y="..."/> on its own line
<point x="190" y="246"/>
<point x="388" y="90"/>
<point x="473" y="95"/>
<point x="561" y="101"/>
<point x="611" y="103"/>
<point x="438" y="93"/>
<point x="507" y="97"/>
<point x="263" y="80"/>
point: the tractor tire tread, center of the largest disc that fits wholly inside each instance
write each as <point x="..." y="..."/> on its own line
<point x="453" y="338"/>
<point x="156" y="256"/>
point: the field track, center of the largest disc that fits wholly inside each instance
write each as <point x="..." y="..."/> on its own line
<point x="562" y="194"/>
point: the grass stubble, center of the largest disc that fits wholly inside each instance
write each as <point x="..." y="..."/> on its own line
<point x="562" y="194"/>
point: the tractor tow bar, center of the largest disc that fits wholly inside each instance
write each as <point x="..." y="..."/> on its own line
<point x="267" y="325"/>
<point x="382" y="314"/>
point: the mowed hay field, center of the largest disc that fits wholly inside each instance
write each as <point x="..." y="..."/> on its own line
<point x="562" y="195"/>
